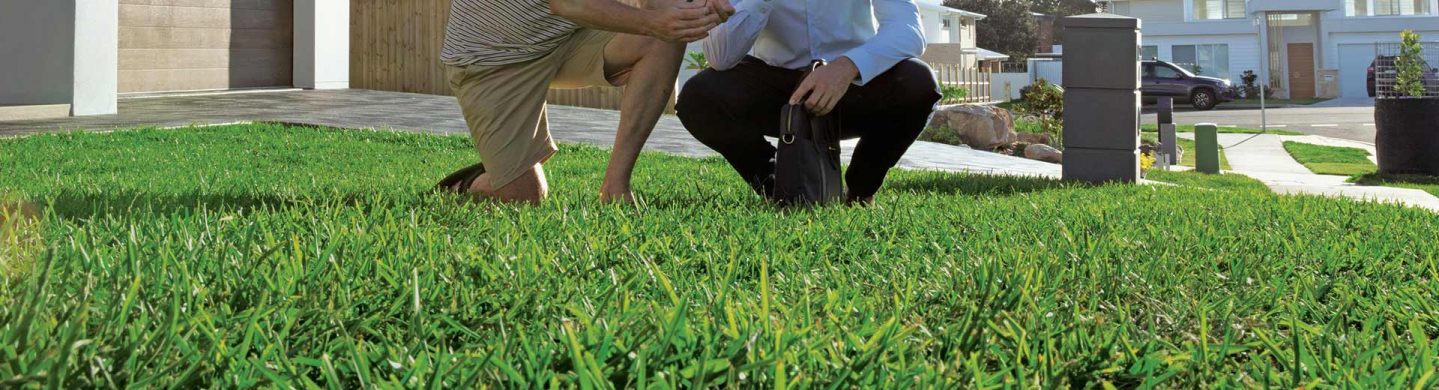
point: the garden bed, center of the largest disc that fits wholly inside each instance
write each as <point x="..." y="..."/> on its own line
<point x="265" y="255"/>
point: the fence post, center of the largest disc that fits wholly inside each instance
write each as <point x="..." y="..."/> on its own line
<point x="1101" y="98"/>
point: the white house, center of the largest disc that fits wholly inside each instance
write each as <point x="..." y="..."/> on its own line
<point x="1308" y="47"/>
<point x="950" y="32"/>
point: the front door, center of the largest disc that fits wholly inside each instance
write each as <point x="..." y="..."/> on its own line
<point x="1301" y="70"/>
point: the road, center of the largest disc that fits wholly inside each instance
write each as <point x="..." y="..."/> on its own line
<point x="1345" y="119"/>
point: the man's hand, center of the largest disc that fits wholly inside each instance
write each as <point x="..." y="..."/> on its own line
<point x="684" y="21"/>
<point x="723" y="8"/>
<point x="826" y="86"/>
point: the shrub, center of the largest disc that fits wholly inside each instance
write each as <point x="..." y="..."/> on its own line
<point x="1410" y="80"/>
<point x="953" y="92"/>
<point x="1044" y="102"/>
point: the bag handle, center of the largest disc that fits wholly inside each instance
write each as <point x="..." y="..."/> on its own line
<point x="786" y="134"/>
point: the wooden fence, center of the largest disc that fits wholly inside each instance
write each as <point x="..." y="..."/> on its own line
<point x="975" y="83"/>
<point x="395" y="46"/>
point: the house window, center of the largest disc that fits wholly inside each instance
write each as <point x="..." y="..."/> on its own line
<point x="944" y="23"/>
<point x="1388" y="7"/>
<point x="1148" y="52"/>
<point x="1205" y="60"/>
<point x="1219" y="9"/>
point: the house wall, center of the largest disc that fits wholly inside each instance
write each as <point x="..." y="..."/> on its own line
<point x="1244" y="50"/>
<point x="37" y="51"/>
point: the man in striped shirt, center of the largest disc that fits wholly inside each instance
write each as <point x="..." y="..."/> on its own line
<point x="504" y="55"/>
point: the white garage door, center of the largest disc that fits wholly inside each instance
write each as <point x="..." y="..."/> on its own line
<point x="1354" y="63"/>
<point x="187" y="45"/>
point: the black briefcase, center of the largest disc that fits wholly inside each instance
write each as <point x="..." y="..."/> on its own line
<point x="807" y="169"/>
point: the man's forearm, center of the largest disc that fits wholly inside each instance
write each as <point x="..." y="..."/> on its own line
<point x="608" y="15"/>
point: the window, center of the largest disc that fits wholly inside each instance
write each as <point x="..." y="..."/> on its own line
<point x="1148" y="52"/>
<point x="944" y="23"/>
<point x="1204" y="60"/>
<point x="1165" y="72"/>
<point x="1388" y="7"/>
<point x="1220" y="9"/>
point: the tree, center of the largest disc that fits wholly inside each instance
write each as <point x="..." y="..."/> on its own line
<point x="1009" y="27"/>
<point x="1060" y="9"/>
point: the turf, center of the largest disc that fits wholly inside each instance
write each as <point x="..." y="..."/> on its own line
<point x="1151" y="128"/>
<point x="262" y="255"/>
<point x="1331" y="160"/>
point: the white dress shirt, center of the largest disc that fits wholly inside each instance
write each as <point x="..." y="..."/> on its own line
<point x="793" y="33"/>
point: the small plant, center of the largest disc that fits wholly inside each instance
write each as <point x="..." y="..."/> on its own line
<point x="1410" y="79"/>
<point x="953" y="92"/>
<point x="1146" y="161"/>
<point x="1044" y="102"/>
<point x="1251" y="88"/>
<point x="696" y="60"/>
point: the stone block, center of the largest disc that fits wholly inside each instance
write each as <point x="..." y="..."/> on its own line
<point x="1101" y="165"/>
<point x="1101" y="119"/>
<point x="1101" y="58"/>
<point x="1170" y="146"/>
<point x="1165" y="110"/>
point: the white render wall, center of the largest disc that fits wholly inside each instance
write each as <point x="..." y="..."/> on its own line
<point x="1244" y="50"/>
<point x="322" y="44"/>
<point x="97" y="58"/>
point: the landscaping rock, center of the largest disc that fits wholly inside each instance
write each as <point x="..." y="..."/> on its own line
<point x="980" y="127"/>
<point x="1035" y="138"/>
<point x="1044" y="153"/>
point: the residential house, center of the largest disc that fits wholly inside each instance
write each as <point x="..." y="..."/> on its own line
<point x="1307" y="47"/>
<point x="951" y="34"/>
<point x="72" y="57"/>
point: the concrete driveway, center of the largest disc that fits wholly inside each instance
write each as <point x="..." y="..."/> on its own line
<point x="1350" y="119"/>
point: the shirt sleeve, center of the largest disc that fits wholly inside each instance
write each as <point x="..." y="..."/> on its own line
<point x="899" y="37"/>
<point x="730" y="42"/>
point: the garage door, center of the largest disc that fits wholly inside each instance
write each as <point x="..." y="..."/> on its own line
<point x="1354" y="63"/>
<point x="189" y="45"/>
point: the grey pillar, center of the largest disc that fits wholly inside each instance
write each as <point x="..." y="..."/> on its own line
<point x="1101" y="98"/>
<point x="1168" y="144"/>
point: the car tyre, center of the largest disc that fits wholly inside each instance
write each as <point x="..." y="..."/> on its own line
<point x="1203" y="100"/>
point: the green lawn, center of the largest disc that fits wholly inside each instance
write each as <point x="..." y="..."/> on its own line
<point x="269" y="256"/>
<point x="1152" y="128"/>
<point x="1425" y="183"/>
<point x="1331" y="160"/>
<point x="1188" y="148"/>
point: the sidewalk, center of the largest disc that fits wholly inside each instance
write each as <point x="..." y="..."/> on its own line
<point x="1263" y="157"/>
<point x="364" y="109"/>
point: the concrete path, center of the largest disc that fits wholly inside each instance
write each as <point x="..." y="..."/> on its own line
<point x="364" y="109"/>
<point x="1263" y="157"/>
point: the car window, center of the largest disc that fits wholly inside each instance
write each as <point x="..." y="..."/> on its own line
<point x="1165" y="72"/>
<point x="1148" y="70"/>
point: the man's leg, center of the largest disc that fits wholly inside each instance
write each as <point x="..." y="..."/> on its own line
<point x="647" y="68"/>
<point x="504" y="107"/>
<point x="888" y="114"/>
<point x="732" y="111"/>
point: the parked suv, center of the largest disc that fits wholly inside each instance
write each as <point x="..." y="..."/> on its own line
<point x="1431" y="75"/>
<point x="1166" y="79"/>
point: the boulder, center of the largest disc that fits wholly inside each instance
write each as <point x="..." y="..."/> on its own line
<point x="980" y="127"/>
<point x="1035" y="138"/>
<point x="1044" y="153"/>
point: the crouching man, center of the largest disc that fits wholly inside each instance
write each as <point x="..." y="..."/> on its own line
<point x="883" y="94"/>
<point x="504" y="55"/>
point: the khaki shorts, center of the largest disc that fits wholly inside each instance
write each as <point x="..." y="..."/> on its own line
<point x="504" y="105"/>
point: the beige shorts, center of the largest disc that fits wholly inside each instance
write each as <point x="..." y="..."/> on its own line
<point x="504" y="105"/>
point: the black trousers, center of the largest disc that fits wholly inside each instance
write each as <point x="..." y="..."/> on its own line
<point x="732" y="111"/>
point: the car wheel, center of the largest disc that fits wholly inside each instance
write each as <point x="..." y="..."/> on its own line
<point x="1203" y="100"/>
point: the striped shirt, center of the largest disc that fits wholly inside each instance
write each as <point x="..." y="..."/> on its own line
<point x="502" y="32"/>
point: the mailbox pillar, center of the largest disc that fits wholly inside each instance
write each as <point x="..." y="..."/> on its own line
<point x="1101" y="98"/>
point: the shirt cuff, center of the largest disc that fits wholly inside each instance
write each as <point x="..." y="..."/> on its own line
<point x="761" y="7"/>
<point x="869" y="67"/>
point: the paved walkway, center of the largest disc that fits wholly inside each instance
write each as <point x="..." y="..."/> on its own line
<point x="364" y="109"/>
<point x="1263" y="157"/>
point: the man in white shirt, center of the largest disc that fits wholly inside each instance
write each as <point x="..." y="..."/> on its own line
<point x="874" y="81"/>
